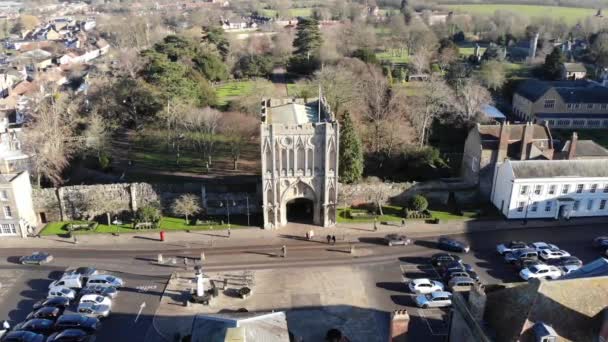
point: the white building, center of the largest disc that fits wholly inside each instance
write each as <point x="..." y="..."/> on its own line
<point x="17" y="216"/>
<point x="551" y="188"/>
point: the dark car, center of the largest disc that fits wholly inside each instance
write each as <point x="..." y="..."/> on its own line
<point x="443" y="258"/>
<point x="56" y="302"/>
<point x="47" y="312"/>
<point x="23" y="336"/>
<point x="452" y="245"/>
<point x="37" y="325"/>
<point x="71" y="335"/>
<point x="600" y="242"/>
<point x="567" y="261"/>
<point x="460" y="273"/>
<point x="36" y="258"/>
<point x="396" y="239"/>
<point x="77" y="321"/>
<point x="527" y="263"/>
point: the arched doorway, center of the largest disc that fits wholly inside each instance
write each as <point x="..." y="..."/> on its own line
<point x="300" y="210"/>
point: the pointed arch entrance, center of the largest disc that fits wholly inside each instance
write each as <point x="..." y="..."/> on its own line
<point x="299" y="203"/>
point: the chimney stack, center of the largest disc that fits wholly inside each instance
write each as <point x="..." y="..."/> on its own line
<point x="400" y="321"/>
<point x="503" y="142"/>
<point x="526" y="140"/>
<point x="572" y="147"/>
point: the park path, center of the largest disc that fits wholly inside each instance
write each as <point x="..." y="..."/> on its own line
<point x="279" y="79"/>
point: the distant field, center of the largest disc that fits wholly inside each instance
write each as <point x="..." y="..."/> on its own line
<point x="468" y="51"/>
<point x="294" y="12"/>
<point x="571" y="14"/>
<point x="393" y="56"/>
<point x="230" y="90"/>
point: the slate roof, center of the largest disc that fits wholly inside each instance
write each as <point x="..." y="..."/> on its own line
<point x="560" y="168"/>
<point x="293" y="114"/>
<point x="581" y="91"/>
<point x="516" y="132"/>
<point x="586" y="148"/>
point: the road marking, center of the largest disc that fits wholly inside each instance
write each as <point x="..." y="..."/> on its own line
<point x="421" y="314"/>
<point x="145" y="288"/>
<point x="141" y="307"/>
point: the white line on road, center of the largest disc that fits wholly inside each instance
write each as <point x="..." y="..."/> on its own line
<point x="141" y="307"/>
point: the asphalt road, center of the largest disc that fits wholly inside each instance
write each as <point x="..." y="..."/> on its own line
<point x="388" y="268"/>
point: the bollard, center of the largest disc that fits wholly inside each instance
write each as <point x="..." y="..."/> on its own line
<point x="174" y="260"/>
<point x="352" y="249"/>
<point x="160" y="258"/>
<point x="202" y="256"/>
<point x="162" y="235"/>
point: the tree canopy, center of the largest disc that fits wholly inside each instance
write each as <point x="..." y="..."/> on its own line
<point x="351" y="154"/>
<point x="553" y="64"/>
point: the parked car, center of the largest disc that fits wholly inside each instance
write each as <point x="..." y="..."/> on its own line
<point x="94" y="310"/>
<point x="71" y="335"/>
<point x="526" y="263"/>
<point x="568" y="269"/>
<point x="452" y="245"/>
<point x="460" y="273"/>
<point x="23" y="336"/>
<point x="78" y="321"/>
<point x="461" y="282"/>
<point x="396" y="240"/>
<point x="567" y="261"/>
<point x="84" y="272"/>
<point x="438" y="299"/>
<point x="540" y="271"/>
<point x="105" y="280"/>
<point x="527" y="253"/>
<point x="510" y="247"/>
<point x="56" y="302"/>
<point x="73" y="281"/>
<point x="540" y="246"/>
<point x="47" y="312"/>
<point x="36" y="258"/>
<point x="549" y="254"/>
<point x="454" y="266"/>
<point x="62" y="292"/>
<point x="96" y="299"/>
<point x="600" y="242"/>
<point x="37" y="325"/>
<point x="107" y="291"/>
<point x="424" y="286"/>
<point x="443" y="258"/>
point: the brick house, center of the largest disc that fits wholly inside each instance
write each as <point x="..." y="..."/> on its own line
<point x="578" y="104"/>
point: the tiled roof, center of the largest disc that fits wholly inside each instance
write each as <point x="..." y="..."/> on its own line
<point x="570" y="91"/>
<point x="587" y="148"/>
<point x="560" y="168"/>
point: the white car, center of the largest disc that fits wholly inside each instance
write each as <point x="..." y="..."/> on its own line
<point x="96" y="299"/>
<point x="438" y="299"/>
<point x="424" y="286"/>
<point x="61" y="291"/>
<point x="568" y="269"/>
<point x="72" y="281"/>
<point x="548" y="254"/>
<point x="540" y="246"/>
<point x="540" y="271"/>
<point x="510" y="247"/>
<point x="105" y="280"/>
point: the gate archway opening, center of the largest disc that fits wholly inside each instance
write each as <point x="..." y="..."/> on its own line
<point x="300" y="210"/>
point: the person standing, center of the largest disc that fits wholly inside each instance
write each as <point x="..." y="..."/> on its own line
<point x="328" y="239"/>
<point x="284" y="251"/>
<point x="402" y="222"/>
<point x="333" y="239"/>
<point x="228" y="232"/>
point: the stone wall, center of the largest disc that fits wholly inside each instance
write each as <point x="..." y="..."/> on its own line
<point x="356" y="194"/>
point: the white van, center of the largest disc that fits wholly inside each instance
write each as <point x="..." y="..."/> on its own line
<point x="61" y="292"/>
<point x="73" y="281"/>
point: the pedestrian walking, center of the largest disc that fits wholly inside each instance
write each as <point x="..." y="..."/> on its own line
<point x="312" y="234"/>
<point x="402" y="222"/>
<point x="284" y="251"/>
<point x="228" y="231"/>
<point x="333" y="239"/>
<point x="307" y="236"/>
<point x="328" y="239"/>
<point x="375" y="226"/>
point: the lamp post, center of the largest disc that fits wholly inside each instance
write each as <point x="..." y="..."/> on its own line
<point x="526" y="214"/>
<point x="247" y="199"/>
<point x="227" y="209"/>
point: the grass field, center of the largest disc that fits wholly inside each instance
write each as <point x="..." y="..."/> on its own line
<point x="230" y="90"/>
<point x="466" y="51"/>
<point x="571" y="14"/>
<point x="393" y="56"/>
<point x="294" y="12"/>
<point x="166" y="223"/>
<point x="395" y="213"/>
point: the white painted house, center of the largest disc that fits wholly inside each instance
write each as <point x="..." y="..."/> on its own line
<point x="551" y="188"/>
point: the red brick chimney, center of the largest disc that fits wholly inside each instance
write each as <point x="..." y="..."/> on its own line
<point x="572" y="147"/>
<point x="526" y="140"/>
<point x="503" y="142"/>
<point x="400" y="321"/>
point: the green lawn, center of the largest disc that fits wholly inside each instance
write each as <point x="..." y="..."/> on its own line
<point x="571" y="14"/>
<point x="166" y="223"/>
<point x="230" y="90"/>
<point x="393" y="56"/>
<point x="394" y="213"/>
<point x="466" y="51"/>
<point x="293" y="12"/>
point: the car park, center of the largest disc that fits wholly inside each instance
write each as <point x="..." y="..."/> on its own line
<point x="527" y="253"/>
<point x="452" y="245"/>
<point x="526" y="263"/>
<point x="105" y="280"/>
<point x="397" y="240"/>
<point x="460" y="273"/>
<point x="552" y="254"/>
<point x="540" y="246"/>
<point x="57" y="302"/>
<point x="443" y="258"/>
<point x="36" y="258"/>
<point x="37" y="325"/>
<point x="438" y="299"/>
<point x="84" y="272"/>
<point x="461" y="282"/>
<point x="47" y="312"/>
<point x="94" y="310"/>
<point x="78" y="321"/>
<point x="600" y="242"/>
<point x="567" y="261"/>
<point x="540" y="271"/>
<point x="73" y="281"/>
<point x="107" y="291"/>
<point x="510" y="247"/>
<point x="62" y="292"/>
<point x="95" y="299"/>
<point x="568" y="269"/>
<point x="71" y="335"/>
<point x="454" y="266"/>
<point x="23" y="336"/>
<point x="424" y="286"/>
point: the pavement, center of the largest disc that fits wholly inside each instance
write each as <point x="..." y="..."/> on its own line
<point x="254" y="236"/>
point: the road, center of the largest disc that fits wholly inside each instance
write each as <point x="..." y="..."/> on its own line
<point x="388" y="267"/>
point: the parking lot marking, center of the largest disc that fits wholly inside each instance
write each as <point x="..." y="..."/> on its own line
<point x="145" y="288"/>
<point x="141" y="307"/>
<point x="424" y="318"/>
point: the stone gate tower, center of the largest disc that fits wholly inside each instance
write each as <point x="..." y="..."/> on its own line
<point x="299" y="149"/>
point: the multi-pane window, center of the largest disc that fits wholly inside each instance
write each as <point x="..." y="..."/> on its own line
<point x="603" y="204"/>
<point x="520" y="206"/>
<point x="552" y="189"/>
<point x="538" y="189"/>
<point x="593" y="188"/>
<point x="523" y="190"/>
<point x="566" y="189"/>
<point x="549" y="104"/>
<point x="576" y="205"/>
<point x="589" y="204"/>
<point x="578" y="123"/>
<point x="7" y="211"/>
<point x="606" y="188"/>
<point x="570" y="105"/>
<point x="6" y="229"/>
<point x="579" y="188"/>
<point x="534" y="206"/>
<point x="590" y="106"/>
<point x="604" y="106"/>
<point x="548" y="206"/>
<point x="3" y="195"/>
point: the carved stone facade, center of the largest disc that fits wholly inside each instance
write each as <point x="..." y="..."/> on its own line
<point x="299" y="150"/>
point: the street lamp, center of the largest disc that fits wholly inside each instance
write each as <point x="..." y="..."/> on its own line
<point x="247" y="198"/>
<point x="228" y="209"/>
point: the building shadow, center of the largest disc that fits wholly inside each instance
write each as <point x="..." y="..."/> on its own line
<point x="392" y="286"/>
<point x="372" y="240"/>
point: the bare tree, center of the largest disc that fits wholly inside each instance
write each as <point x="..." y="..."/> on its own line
<point x="340" y="86"/>
<point x="96" y="134"/>
<point x="129" y="62"/>
<point x="420" y="60"/>
<point x="434" y="99"/>
<point x="471" y="97"/>
<point x="202" y="128"/>
<point x="492" y="74"/>
<point x="97" y="203"/>
<point x="186" y="205"/>
<point x="377" y="194"/>
<point x="238" y="130"/>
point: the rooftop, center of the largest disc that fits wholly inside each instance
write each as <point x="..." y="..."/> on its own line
<point x="240" y="326"/>
<point x="570" y="91"/>
<point x="575" y="67"/>
<point x="294" y="113"/>
<point x="587" y="148"/>
<point x="560" y="168"/>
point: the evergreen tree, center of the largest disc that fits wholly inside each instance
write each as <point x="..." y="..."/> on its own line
<point x="553" y="64"/>
<point x="308" y="38"/>
<point x="351" y="155"/>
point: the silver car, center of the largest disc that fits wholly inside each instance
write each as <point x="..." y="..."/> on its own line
<point x="110" y="291"/>
<point x="437" y="299"/>
<point x="105" y="280"/>
<point x="94" y="310"/>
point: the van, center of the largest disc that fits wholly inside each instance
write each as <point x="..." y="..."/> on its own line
<point x="461" y="283"/>
<point x="73" y="281"/>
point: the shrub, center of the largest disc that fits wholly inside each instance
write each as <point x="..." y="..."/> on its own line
<point x="148" y="213"/>
<point x="418" y="203"/>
